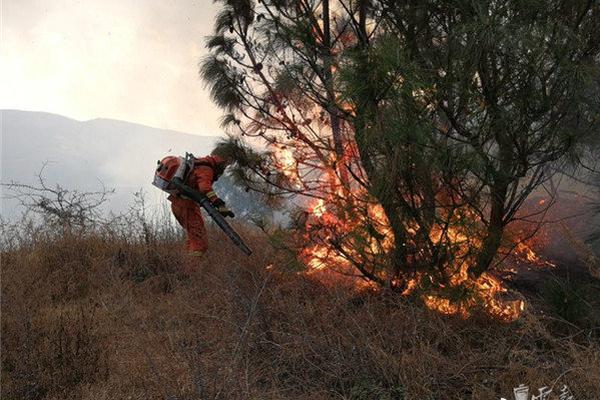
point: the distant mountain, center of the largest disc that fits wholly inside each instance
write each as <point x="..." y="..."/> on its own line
<point x="84" y="154"/>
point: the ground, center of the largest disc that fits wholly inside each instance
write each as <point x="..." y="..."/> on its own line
<point x="90" y="316"/>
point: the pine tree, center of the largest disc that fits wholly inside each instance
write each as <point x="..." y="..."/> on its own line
<point x="445" y="115"/>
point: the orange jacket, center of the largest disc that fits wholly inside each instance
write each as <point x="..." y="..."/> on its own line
<point x="206" y="171"/>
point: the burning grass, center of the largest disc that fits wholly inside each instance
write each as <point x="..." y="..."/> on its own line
<point x="94" y="317"/>
<point x="358" y="241"/>
<point x="438" y="246"/>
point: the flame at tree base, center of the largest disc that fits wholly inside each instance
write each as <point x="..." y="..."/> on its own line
<point x="462" y="296"/>
<point x="484" y="293"/>
<point x="346" y="233"/>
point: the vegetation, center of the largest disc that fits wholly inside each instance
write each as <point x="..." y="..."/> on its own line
<point x="445" y="114"/>
<point x="105" y="314"/>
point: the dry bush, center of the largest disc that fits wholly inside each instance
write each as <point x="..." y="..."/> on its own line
<point x="48" y="354"/>
<point x="98" y="317"/>
<point x="51" y="341"/>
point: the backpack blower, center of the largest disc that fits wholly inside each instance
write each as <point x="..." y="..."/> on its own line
<point x="171" y="176"/>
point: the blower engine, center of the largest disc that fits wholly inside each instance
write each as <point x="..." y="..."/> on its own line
<point x="171" y="176"/>
<point x="172" y="167"/>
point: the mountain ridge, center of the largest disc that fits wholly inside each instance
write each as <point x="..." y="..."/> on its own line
<point x="77" y="154"/>
<point x="102" y="119"/>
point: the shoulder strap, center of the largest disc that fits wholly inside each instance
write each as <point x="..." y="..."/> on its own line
<point x="205" y="163"/>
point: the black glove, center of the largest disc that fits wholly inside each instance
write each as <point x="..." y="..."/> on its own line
<point x="226" y="212"/>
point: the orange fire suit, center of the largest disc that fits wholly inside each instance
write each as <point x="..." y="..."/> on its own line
<point x="206" y="170"/>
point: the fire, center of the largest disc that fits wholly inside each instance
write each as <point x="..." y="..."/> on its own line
<point x="486" y="290"/>
<point x="287" y="164"/>
<point x="483" y="292"/>
<point x="522" y="248"/>
<point x="525" y="251"/>
<point x="349" y="108"/>
<point x="324" y="220"/>
<point x="345" y="230"/>
<point x="319" y="208"/>
<point x="326" y="255"/>
<point x="318" y="254"/>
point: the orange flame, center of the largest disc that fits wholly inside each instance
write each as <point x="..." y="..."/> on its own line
<point x="483" y="292"/>
<point x="327" y="221"/>
<point x="287" y="164"/>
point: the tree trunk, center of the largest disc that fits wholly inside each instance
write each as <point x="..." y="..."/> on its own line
<point x="367" y="111"/>
<point x="335" y="121"/>
<point x="491" y="242"/>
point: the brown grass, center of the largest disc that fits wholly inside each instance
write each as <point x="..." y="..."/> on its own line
<point x="85" y="317"/>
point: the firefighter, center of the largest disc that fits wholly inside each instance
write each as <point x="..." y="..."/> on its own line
<point x="206" y="170"/>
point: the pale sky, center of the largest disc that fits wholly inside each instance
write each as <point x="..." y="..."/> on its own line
<point x="134" y="60"/>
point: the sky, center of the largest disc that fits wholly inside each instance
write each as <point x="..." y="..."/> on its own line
<point x="133" y="60"/>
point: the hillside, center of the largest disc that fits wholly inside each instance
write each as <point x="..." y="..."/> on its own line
<point x="112" y="315"/>
<point x="115" y="310"/>
<point x="84" y="154"/>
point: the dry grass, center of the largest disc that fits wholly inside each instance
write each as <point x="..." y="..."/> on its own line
<point x="84" y="317"/>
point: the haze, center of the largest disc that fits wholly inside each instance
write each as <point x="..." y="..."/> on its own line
<point x="133" y="60"/>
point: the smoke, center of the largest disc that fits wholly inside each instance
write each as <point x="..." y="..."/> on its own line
<point x="130" y="60"/>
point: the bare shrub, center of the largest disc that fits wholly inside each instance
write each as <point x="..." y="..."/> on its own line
<point x="58" y="206"/>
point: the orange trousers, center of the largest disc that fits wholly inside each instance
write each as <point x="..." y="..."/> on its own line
<point x="190" y="218"/>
